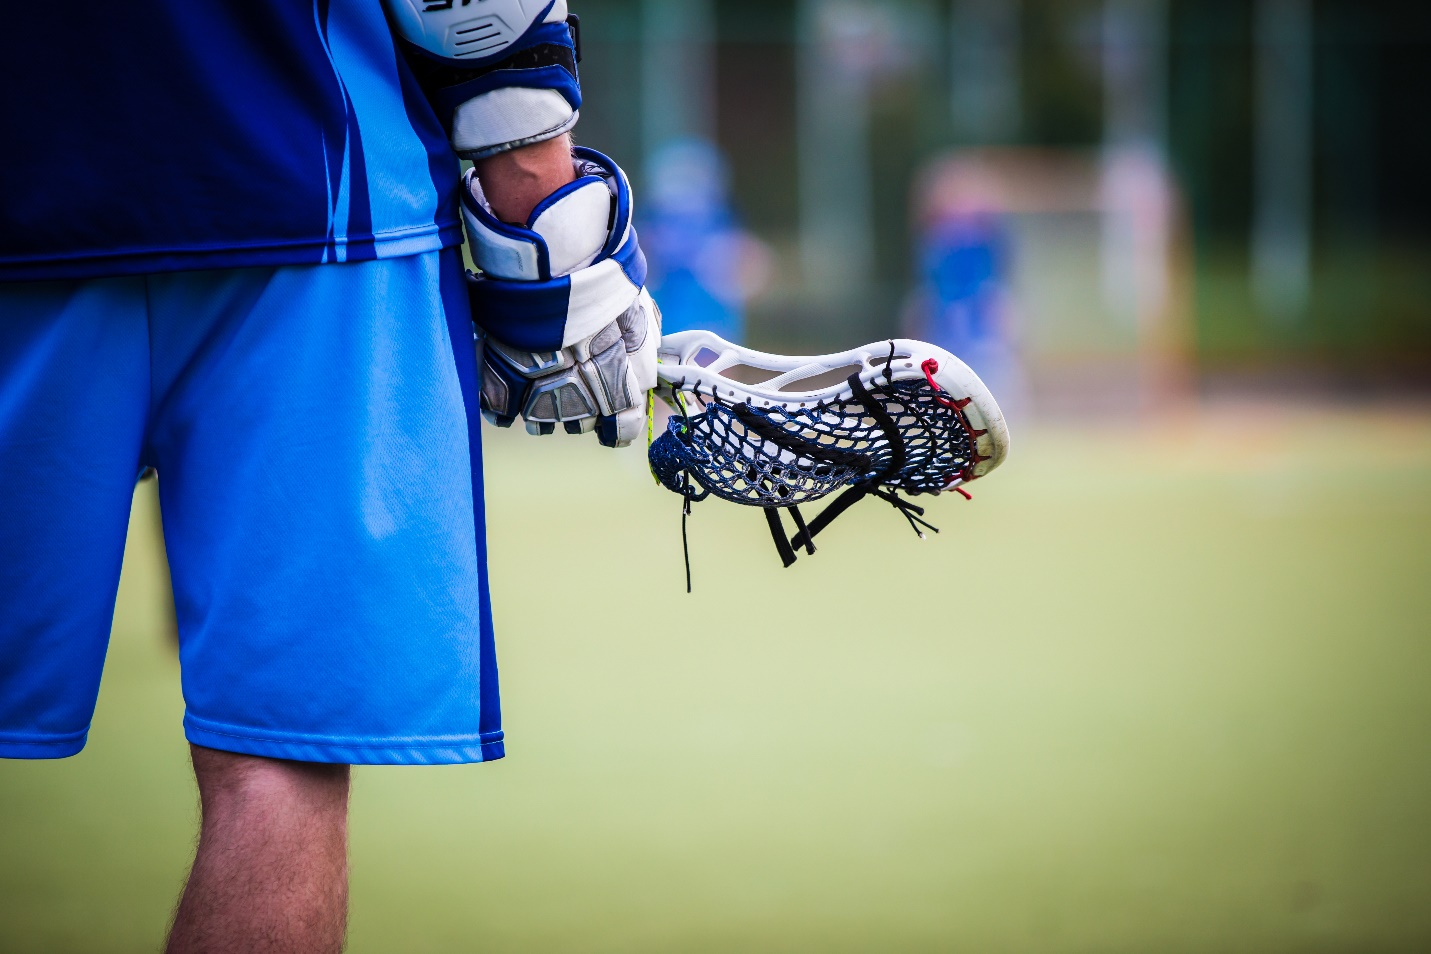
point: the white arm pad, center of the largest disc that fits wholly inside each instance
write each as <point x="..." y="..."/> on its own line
<point x="499" y="73"/>
<point x="462" y="30"/>
<point x="506" y="118"/>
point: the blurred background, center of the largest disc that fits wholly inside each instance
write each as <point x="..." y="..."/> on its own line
<point x="1131" y="197"/>
<point x="1163" y="685"/>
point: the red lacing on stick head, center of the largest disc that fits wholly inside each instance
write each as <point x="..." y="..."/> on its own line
<point x="930" y="367"/>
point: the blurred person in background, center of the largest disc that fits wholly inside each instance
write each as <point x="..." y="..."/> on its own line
<point x="704" y="267"/>
<point x="227" y="253"/>
<point x="963" y="302"/>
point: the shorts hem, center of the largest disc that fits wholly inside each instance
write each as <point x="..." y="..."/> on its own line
<point x="42" y="746"/>
<point x="452" y="750"/>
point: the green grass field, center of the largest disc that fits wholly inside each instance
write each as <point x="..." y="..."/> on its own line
<point x="1152" y="691"/>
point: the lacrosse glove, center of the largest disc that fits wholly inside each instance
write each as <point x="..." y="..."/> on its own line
<point x="568" y="331"/>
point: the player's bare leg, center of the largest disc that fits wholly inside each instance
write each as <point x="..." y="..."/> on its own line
<point x="271" y="870"/>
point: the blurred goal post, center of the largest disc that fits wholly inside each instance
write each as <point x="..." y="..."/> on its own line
<point x="1098" y="278"/>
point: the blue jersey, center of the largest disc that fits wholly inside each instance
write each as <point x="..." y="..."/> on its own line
<point x="161" y="135"/>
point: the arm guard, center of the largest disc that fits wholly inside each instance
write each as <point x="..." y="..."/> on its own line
<point x="499" y="75"/>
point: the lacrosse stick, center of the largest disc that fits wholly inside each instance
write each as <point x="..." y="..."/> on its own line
<point x="776" y="432"/>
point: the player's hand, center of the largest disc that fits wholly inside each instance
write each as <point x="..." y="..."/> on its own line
<point x="569" y="332"/>
<point x="600" y="383"/>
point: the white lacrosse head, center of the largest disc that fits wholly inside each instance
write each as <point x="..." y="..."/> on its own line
<point x="699" y="363"/>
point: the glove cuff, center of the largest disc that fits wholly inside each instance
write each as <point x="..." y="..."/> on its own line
<point x="552" y="313"/>
<point x="567" y="231"/>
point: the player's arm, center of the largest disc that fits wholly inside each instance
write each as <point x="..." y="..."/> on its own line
<point x="570" y="333"/>
<point x="516" y="181"/>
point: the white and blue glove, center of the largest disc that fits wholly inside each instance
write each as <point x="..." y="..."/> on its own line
<point x="569" y="333"/>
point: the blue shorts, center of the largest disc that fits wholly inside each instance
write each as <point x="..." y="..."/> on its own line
<point x="315" y="432"/>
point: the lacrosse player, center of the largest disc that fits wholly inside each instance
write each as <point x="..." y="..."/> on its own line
<point x="228" y="251"/>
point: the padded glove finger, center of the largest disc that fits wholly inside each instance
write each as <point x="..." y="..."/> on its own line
<point x="641" y="336"/>
<point x="620" y="430"/>
<point x="641" y="333"/>
<point x="595" y="385"/>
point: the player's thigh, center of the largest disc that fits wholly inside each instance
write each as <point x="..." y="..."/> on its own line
<point x="322" y="502"/>
<point x="74" y="392"/>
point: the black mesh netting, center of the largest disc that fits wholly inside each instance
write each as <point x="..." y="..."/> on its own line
<point x="779" y="457"/>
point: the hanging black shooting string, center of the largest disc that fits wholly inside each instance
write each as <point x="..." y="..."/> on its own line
<point x="685" y="513"/>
